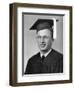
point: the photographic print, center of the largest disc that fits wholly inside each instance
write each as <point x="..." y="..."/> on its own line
<point x="37" y="44"/>
<point x="40" y="44"/>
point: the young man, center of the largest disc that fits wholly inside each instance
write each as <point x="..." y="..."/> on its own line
<point x="47" y="60"/>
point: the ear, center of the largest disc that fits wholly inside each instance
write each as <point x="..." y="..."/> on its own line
<point x="52" y="39"/>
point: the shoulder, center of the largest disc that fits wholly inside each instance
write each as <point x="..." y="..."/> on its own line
<point x="34" y="57"/>
<point x="56" y="53"/>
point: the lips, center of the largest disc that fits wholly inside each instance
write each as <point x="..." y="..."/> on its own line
<point x="42" y="45"/>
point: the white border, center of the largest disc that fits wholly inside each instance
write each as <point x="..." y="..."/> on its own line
<point x="46" y="77"/>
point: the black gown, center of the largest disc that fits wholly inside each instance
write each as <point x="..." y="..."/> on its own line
<point x="53" y="63"/>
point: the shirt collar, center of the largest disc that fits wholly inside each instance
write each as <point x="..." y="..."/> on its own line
<point x="45" y="53"/>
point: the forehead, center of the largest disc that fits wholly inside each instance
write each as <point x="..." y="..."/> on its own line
<point x="44" y="32"/>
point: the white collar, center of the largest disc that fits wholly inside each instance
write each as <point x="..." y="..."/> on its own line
<point x="45" y="53"/>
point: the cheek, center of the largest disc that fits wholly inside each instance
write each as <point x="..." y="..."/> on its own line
<point x="49" y="42"/>
<point x="38" y="41"/>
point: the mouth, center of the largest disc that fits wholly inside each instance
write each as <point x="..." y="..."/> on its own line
<point x="42" y="45"/>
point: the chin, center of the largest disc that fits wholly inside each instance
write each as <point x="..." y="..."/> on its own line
<point x="43" y="49"/>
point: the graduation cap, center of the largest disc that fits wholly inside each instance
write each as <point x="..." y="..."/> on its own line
<point x="43" y="24"/>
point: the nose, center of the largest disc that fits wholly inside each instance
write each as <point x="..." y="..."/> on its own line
<point x="42" y="40"/>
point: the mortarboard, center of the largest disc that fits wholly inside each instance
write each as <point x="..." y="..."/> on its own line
<point x="42" y="24"/>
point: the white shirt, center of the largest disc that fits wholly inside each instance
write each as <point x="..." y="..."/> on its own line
<point x="45" y="53"/>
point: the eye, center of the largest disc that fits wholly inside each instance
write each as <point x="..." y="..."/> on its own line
<point x="38" y="37"/>
<point x="46" y="37"/>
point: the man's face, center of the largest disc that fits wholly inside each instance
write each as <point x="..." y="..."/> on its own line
<point x="44" y="39"/>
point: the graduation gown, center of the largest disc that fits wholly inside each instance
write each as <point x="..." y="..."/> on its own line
<point x="53" y="63"/>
